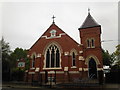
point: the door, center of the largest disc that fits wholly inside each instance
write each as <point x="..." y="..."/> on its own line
<point x="92" y="69"/>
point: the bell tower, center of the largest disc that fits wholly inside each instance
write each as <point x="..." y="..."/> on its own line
<point x="90" y="36"/>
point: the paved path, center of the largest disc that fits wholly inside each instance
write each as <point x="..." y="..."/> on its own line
<point x="112" y="86"/>
<point x="105" y="86"/>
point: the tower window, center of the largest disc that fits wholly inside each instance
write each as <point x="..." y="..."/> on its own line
<point x="52" y="57"/>
<point x="90" y="43"/>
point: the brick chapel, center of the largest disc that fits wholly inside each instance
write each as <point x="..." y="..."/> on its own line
<point x="56" y="56"/>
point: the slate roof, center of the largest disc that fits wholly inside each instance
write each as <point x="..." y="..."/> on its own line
<point x="89" y="22"/>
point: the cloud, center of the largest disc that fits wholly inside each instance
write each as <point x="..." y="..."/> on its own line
<point x="23" y="23"/>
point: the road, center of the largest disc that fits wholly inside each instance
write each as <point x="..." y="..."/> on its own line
<point x="6" y="88"/>
<point x="103" y="87"/>
<point x="51" y="89"/>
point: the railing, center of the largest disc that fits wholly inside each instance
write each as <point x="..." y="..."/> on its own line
<point x="91" y="76"/>
<point x="86" y="81"/>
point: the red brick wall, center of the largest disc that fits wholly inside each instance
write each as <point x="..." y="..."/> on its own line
<point x="93" y="32"/>
<point x="66" y="43"/>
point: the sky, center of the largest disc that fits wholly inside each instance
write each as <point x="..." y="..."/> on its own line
<point x="22" y="23"/>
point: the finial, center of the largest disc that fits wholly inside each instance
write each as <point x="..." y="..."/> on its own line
<point x="53" y="18"/>
<point x="88" y="10"/>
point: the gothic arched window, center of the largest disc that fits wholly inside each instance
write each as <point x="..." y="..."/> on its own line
<point x="33" y="61"/>
<point x="47" y="58"/>
<point x="73" y="59"/>
<point x="88" y="43"/>
<point x="92" y="43"/>
<point x="52" y="57"/>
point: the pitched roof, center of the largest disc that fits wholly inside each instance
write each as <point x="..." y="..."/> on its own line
<point x="54" y="25"/>
<point x="89" y="22"/>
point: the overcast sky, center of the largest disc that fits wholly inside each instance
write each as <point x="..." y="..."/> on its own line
<point x="24" y="22"/>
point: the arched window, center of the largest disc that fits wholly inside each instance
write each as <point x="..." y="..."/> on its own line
<point x="73" y="59"/>
<point x="88" y="43"/>
<point x="48" y="58"/>
<point x="33" y="61"/>
<point x="57" y="58"/>
<point x="92" y="43"/>
<point x="52" y="57"/>
<point x="53" y="33"/>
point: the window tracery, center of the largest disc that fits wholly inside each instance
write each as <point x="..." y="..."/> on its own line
<point x="52" y="57"/>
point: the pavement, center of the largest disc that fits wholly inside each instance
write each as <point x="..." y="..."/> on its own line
<point x="111" y="86"/>
<point x="105" y="86"/>
<point x="20" y="86"/>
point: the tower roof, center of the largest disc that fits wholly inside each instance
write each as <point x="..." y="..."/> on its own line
<point x="89" y="22"/>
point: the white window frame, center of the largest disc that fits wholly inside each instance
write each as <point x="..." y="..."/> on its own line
<point x="50" y="58"/>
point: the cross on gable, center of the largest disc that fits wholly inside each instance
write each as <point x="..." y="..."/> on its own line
<point x="88" y="10"/>
<point x="53" y="18"/>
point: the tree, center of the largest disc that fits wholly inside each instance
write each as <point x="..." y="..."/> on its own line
<point x="117" y="56"/>
<point x="5" y="60"/>
<point x="18" y="54"/>
<point x="10" y="58"/>
<point x="5" y="50"/>
<point x="114" y="74"/>
<point x="107" y="60"/>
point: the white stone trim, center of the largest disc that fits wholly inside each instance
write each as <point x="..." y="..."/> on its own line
<point x="37" y="69"/>
<point x="59" y="72"/>
<point x="73" y="67"/>
<point x="33" y="54"/>
<point x="94" y="57"/>
<point x="85" y="69"/>
<point x="66" y="53"/>
<point x="65" y="68"/>
<point x="81" y="58"/>
<point x="73" y="72"/>
<point x="32" y="68"/>
<point x="60" y="35"/>
<point x="42" y="72"/>
<point x="31" y="72"/>
<point x="99" y="69"/>
<point x="51" y="72"/>
<point x="52" y="43"/>
<point x="80" y="69"/>
<point x="80" y="52"/>
<point x="73" y="50"/>
<point x="52" y="68"/>
<point x="38" y="55"/>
